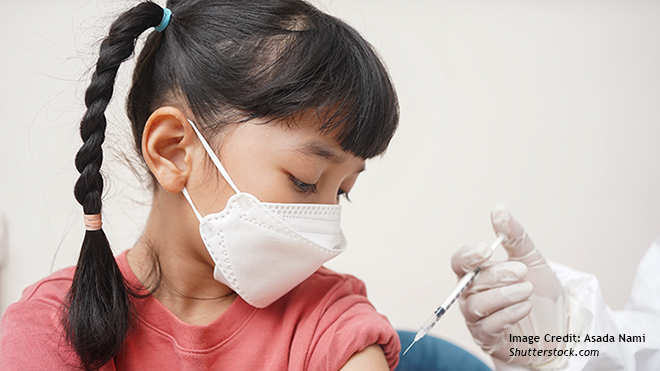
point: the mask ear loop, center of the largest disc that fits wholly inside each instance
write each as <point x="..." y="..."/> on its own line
<point x="214" y="158"/>
<point x="187" y="196"/>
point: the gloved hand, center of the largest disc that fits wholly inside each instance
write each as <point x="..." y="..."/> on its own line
<point x="520" y="296"/>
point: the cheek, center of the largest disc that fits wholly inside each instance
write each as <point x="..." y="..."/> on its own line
<point x="208" y="189"/>
<point x="268" y="186"/>
<point x="256" y="173"/>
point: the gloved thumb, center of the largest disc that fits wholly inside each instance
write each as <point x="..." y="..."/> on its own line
<point x="518" y="244"/>
<point x="520" y="248"/>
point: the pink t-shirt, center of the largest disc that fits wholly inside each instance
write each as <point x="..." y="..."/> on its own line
<point x="319" y="325"/>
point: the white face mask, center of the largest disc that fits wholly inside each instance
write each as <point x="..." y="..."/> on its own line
<point x="263" y="250"/>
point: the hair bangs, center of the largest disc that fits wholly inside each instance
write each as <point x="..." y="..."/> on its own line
<point x="328" y="67"/>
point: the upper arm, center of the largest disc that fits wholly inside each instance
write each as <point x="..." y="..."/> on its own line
<point x="370" y="359"/>
<point x="347" y="332"/>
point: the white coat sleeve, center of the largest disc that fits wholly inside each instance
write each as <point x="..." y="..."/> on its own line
<point x="640" y="320"/>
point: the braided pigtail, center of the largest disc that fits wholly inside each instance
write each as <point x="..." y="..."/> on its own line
<point x="97" y="311"/>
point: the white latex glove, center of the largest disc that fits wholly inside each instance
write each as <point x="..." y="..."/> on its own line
<point x="520" y="296"/>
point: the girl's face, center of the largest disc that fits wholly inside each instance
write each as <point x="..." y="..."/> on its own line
<point x="275" y="163"/>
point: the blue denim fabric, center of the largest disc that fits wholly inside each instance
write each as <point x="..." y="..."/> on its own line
<point x="433" y="354"/>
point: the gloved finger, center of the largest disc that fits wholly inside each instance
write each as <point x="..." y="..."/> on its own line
<point x="469" y="257"/>
<point x="498" y="275"/>
<point x="488" y="331"/>
<point x="518" y="245"/>
<point x="521" y="248"/>
<point x="482" y="304"/>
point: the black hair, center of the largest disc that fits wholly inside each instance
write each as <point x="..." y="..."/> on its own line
<point x="228" y="61"/>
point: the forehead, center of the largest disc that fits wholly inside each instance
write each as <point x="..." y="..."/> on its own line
<point x="300" y="138"/>
<point x="307" y="138"/>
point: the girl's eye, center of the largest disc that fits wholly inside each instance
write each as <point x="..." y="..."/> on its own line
<point x="302" y="187"/>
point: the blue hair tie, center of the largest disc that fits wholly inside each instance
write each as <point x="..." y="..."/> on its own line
<point x="167" y="14"/>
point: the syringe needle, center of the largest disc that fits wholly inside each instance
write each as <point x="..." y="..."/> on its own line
<point x="462" y="284"/>
<point x="409" y="346"/>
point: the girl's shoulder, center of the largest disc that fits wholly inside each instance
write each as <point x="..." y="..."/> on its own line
<point x="54" y="288"/>
<point x="325" y="287"/>
<point x="31" y="335"/>
<point x="50" y="290"/>
<point x="335" y="319"/>
<point x="330" y="278"/>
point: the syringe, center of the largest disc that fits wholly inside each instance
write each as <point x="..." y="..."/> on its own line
<point x="462" y="284"/>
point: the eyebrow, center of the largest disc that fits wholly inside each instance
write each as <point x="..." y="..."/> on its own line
<point x="320" y="150"/>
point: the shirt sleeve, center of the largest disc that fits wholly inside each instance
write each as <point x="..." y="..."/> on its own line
<point x="31" y="338"/>
<point x="350" y="324"/>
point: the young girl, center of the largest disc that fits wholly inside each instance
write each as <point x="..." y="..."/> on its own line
<point x="287" y="103"/>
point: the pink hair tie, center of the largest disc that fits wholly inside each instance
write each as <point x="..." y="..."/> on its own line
<point x="93" y="222"/>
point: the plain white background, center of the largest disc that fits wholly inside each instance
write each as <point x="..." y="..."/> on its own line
<point x="550" y="107"/>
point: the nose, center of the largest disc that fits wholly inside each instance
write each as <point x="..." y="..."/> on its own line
<point x="329" y="198"/>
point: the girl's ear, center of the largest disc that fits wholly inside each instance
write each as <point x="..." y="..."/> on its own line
<point x="167" y="147"/>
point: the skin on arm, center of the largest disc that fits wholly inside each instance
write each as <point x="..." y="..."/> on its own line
<point x="371" y="358"/>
